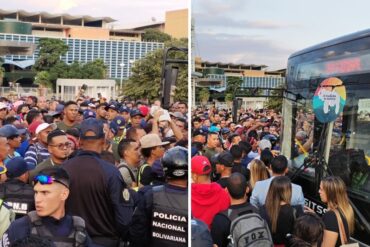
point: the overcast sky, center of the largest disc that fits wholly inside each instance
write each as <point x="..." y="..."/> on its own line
<point x="127" y="12"/>
<point x="268" y="31"/>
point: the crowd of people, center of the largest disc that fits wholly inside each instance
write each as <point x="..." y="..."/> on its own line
<point x="240" y="191"/>
<point x="93" y="172"/>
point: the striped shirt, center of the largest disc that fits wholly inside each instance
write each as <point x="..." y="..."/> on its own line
<point x="36" y="154"/>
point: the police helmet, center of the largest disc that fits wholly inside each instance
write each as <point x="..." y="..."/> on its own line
<point x="175" y="162"/>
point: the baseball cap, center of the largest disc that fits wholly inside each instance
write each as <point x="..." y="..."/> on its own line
<point x="113" y="127"/>
<point x="225" y="158"/>
<point x="124" y="109"/>
<point x="44" y="126"/>
<point x="199" y="132"/>
<point x="17" y="166"/>
<point x="112" y="106"/>
<point x="177" y="114"/>
<point x="200" y="165"/>
<point x="59" y="108"/>
<point x="144" y="110"/>
<point x="102" y="104"/>
<point x="264" y="143"/>
<point x="119" y="121"/>
<point x="32" y="127"/>
<point x="10" y="130"/>
<point x="92" y="125"/>
<point x="151" y="140"/>
<point x="136" y="112"/>
<point x="225" y="131"/>
<point x="214" y="129"/>
<point x="3" y="105"/>
<point x="89" y="114"/>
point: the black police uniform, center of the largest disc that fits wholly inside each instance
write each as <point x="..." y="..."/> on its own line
<point x="65" y="232"/>
<point x="161" y="218"/>
<point x="18" y="195"/>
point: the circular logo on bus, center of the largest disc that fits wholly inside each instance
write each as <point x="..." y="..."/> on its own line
<point x="329" y="100"/>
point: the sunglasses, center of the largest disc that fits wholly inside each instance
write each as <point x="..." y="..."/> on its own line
<point x="62" y="146"/>
<point x="45" y="179"/>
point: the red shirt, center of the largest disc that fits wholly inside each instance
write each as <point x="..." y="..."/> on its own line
<point x="207" y="200"/>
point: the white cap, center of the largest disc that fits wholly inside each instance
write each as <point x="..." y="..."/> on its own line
<point x="3" y="105"/>
<point x="164" y="117"/>
<point x="44" y="126"/>
<point x="263" y="144"/>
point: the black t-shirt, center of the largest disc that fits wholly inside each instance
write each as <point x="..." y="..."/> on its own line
<point x="241" y="169"/>
<point x="331" y="224"/>
<point x="285" y="222"/>
<point x="223" y="182"/>
<point x="220" y="227"/>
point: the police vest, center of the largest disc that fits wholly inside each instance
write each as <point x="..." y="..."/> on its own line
<point x="76" y="238"/>
<point x="19" y="196"/>
<point x="169" y="218"/>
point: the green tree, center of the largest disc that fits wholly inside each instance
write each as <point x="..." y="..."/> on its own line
<point x="152" y="34"/>
<point x="233" y="83"/>
<point x="94" y="70"/>
<point x="276" y="101"/>
<point x="145" y="80"/>
<point x="2" y="73"/>
<point x="204" y="95"/>
<point x="50" y="51"/>
<point x="43" y="79"/>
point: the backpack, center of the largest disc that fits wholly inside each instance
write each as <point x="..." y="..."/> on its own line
<point x="6" y="217"/>
<point x="129" y="171"/>
<point x="248" y="229"/>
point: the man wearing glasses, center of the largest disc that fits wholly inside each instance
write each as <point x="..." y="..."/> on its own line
<point x="59" y="148"/>
<point x="49" y="220"/>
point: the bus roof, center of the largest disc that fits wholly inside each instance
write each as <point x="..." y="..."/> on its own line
<point x="342" y="39"/>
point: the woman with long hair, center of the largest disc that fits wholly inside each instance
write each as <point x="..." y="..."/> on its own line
<point x="278" y="212"/>
<point x="258" y="172"/>
<point x="333" y="192"/>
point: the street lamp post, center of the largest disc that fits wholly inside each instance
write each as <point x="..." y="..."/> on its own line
<point x="121" y="65"/>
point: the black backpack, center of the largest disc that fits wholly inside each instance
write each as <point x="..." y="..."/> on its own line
<point x="248" y="228"/>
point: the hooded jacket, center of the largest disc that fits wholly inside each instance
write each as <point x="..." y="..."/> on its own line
<point x="207" y="200"/>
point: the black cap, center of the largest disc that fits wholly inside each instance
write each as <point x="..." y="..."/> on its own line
<point x="199" y="132"/>
<point x="136" y="112"/>
<point x="225" y="158"/>
<point x="94" y="125"/>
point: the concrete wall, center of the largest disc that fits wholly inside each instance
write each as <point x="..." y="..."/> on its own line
<point x="176" y="23"/>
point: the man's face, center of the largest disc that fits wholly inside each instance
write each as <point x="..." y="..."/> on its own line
<point x="125" y="115"/>
<point x="197" y="124"/>
<point x="236" y="140"/>
<point x="212" y="141"/>
<point x="60" y="147"/>
<point x="14" y="141"/>
<point x="3" y="113"/>
<point x="112" y="114"/>
<point x="43" y="135"/>
<point x="182" y="108"/>
<point x="132" y="153"/>
<point x="223" y="124"/>
<point x="70" y="112"/>
<point x="232" y="127"/>
<point x="4" y="148"/>
<point x="180" y="125"/>
<point x="50" y="198"/>
<point x="136" y="120"/>
<point x="42" y="104"/>
<point x="101" y="112"/>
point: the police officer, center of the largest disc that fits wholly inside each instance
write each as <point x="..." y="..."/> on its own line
<point x="49" y="220"/>
<point x="161" y="218"/>
<point x="16" y="191"/>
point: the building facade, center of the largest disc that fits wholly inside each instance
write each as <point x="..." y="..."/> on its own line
<point x="119" y="56"/>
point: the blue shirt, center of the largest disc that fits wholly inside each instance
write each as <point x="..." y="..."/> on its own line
<point x="261" y="188"/>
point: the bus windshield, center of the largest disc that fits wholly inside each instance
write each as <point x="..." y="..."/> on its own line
<point x="343" y="143"/>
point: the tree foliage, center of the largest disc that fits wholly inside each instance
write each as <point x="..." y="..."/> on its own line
<point x="275" y="102"/>
<point x="50" y="51"/>
<point x="204" y="95"/>
<point x="43" y="79"/>
<point x="233" y="83"/>
<point x="145" y="80"/>
<point x="155" y="35"/>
